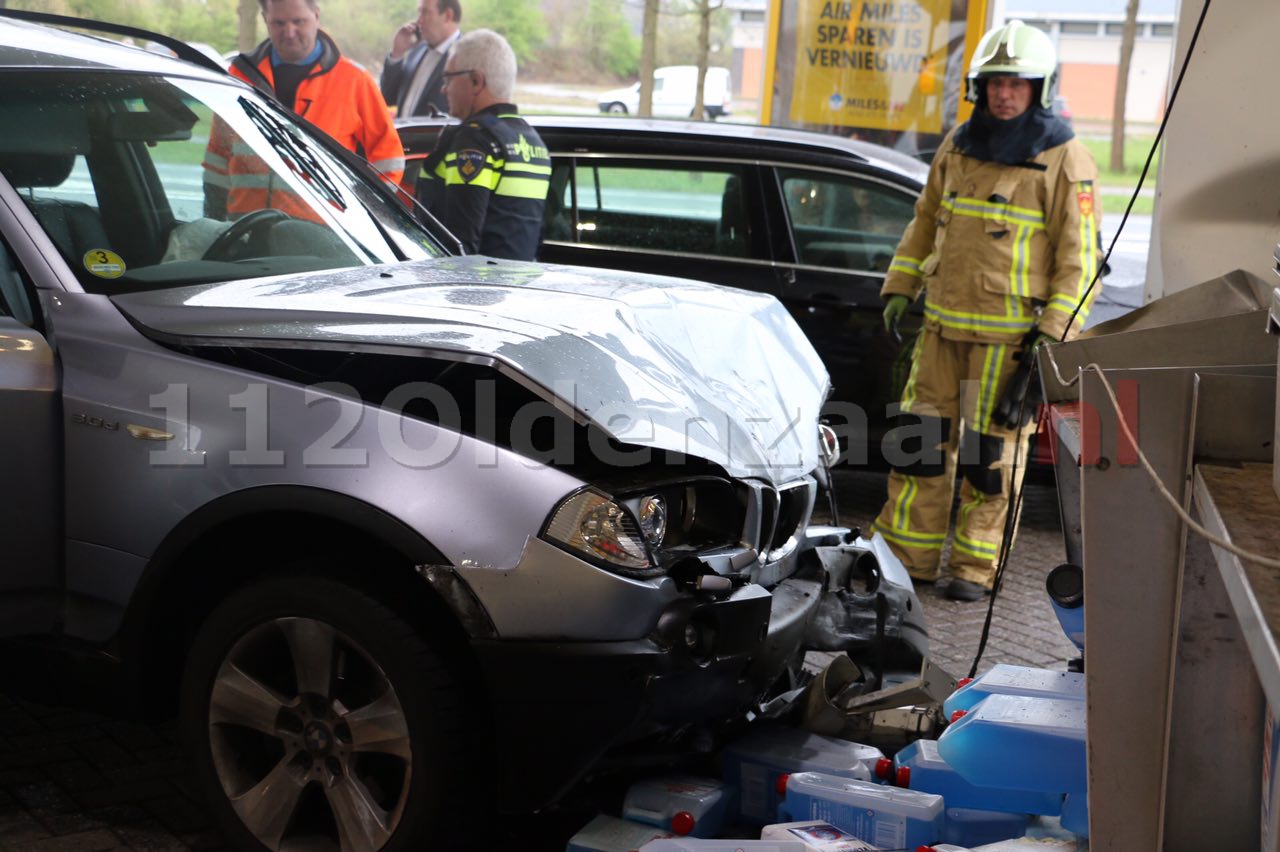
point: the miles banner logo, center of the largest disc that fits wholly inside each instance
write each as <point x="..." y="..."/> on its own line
<point x="877" y="65"/>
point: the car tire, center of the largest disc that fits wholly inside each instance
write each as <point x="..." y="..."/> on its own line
<point x="315" y="717"/>
<point x="616" y="108"/>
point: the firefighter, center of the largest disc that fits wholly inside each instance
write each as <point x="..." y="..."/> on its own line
<point x="1004" y="245"/>
<point x="488" y="176"/>
<point x="302" y="66"/>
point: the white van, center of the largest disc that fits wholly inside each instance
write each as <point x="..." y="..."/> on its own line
<point x="673" y="93"/>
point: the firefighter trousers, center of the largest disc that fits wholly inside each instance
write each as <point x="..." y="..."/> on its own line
<point x="945" y="429"/>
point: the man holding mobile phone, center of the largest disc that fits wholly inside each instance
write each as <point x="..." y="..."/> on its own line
<point x="414" y="69"/>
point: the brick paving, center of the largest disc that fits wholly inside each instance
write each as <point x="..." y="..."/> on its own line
<point x="72" y="781"/>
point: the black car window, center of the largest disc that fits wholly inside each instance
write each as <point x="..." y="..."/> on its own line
<point x="842" y="221"/>
<point x="691" y="208"/>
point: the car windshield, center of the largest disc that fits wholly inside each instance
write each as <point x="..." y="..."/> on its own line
<point x="145" y="182"/>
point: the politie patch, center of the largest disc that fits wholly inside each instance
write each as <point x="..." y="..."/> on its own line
<point x="470" y="164"/>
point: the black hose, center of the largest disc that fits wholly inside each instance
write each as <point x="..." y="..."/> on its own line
<point x="1015" y="497"/>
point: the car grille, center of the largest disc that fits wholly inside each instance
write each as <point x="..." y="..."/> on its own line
<point x="794" y="502"/>
<point x="780" y="512"/>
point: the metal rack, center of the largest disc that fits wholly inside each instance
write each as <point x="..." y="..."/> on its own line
<point x="1175" y="690"/>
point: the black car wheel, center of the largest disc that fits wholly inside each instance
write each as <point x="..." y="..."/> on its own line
<point x="319" y="719"/>
<point x="616" y="108"/>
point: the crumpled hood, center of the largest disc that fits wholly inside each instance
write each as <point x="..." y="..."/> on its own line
<point x="722" y="374"/>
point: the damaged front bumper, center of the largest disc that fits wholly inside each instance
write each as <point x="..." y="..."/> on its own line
<point x="559" y="707"/>
<point x="869" y="608"/>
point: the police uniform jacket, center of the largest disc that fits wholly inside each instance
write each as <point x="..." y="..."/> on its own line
<point x="999" y="249"/>
<point x="487" y="180"/>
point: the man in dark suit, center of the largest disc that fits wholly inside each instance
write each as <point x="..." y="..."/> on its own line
<point x="414" y="69"/>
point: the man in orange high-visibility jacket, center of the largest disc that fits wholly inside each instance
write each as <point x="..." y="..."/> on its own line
<point x="304" y="68"/>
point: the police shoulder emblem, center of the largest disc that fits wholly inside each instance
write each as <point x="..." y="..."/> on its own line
<point x="470" y="164"/>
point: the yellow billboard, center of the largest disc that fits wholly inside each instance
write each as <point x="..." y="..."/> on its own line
<point x="878" y="65"/>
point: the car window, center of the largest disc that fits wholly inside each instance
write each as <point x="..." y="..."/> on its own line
<point x="174" y="160"/>
<point x="652" y="205"/>
<point x="844" y="222"/>
<point x="144" y="182"/>
<point x="75" y="186"/>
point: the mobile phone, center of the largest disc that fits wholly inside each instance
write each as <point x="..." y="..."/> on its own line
<point x="417" y="31"/>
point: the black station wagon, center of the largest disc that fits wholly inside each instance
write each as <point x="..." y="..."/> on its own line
<point x="812" y="219"/>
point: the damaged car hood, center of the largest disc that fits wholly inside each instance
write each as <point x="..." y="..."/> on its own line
<point x="722" y="374"/>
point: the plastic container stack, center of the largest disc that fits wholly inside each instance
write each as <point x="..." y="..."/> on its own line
<point x="1005" y="679"/>
<point x="682" y="805"/>
<point x="1020" y="742"/>
<point x="610" y="834"/>
<point x="970" y="827"/>
<point x="1015" y="748"/>
<point x="683" y="845"/>
<point x="920" y="767"/>
<point x="886" y="817"/>
<point x="816" y="835"/>
<point x="754" y="763"/>
<point x="1075" y="814"/>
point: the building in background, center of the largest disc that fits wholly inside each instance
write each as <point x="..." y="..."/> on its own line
<point x="1087" y="34"/>
<point x="747" y="41"/>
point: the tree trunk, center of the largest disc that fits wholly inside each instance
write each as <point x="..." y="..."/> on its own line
<point x="1122" y="85"/>
<point x="248" y="36"/>
<point x="704" y="49"/>
<point x="648" y="54"/>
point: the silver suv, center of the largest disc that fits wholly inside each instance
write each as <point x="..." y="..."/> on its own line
<point x="365" y="513"/>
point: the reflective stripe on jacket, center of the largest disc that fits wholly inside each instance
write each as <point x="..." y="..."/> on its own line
<point x="999" y="249"/>
<point x="487" y="182"/>
<point x="336" y="96"/>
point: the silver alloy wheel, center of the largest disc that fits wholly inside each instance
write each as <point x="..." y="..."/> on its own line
<point x="308" y="738"/>
<point x="617" y="108"/>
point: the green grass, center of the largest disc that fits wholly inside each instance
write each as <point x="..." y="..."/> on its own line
<point x="1117" y="187"/>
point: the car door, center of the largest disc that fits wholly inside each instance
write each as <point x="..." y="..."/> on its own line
<point x="843" y="228"/>
<point x="692" y="218"/>
<point x="30" y="466"/>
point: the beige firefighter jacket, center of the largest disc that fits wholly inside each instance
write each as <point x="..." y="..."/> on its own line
<point x="999" y="249"/>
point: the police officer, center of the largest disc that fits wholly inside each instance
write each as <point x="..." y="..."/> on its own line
<point x="1003" y="245"/>
<point x="487" y="178"/>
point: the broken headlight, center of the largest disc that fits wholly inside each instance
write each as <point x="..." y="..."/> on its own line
<point x="593" y="525"/>
<point x="653" y="519"/>
<point x="643" y="532"/>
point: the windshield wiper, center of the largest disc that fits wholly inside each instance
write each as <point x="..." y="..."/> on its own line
<point x="295" y="153"/>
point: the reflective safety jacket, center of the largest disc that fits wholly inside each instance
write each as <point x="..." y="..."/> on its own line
<point x="338" y="97"/>
<point x="999" y="249"/>
<point x="487" y="181"/>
